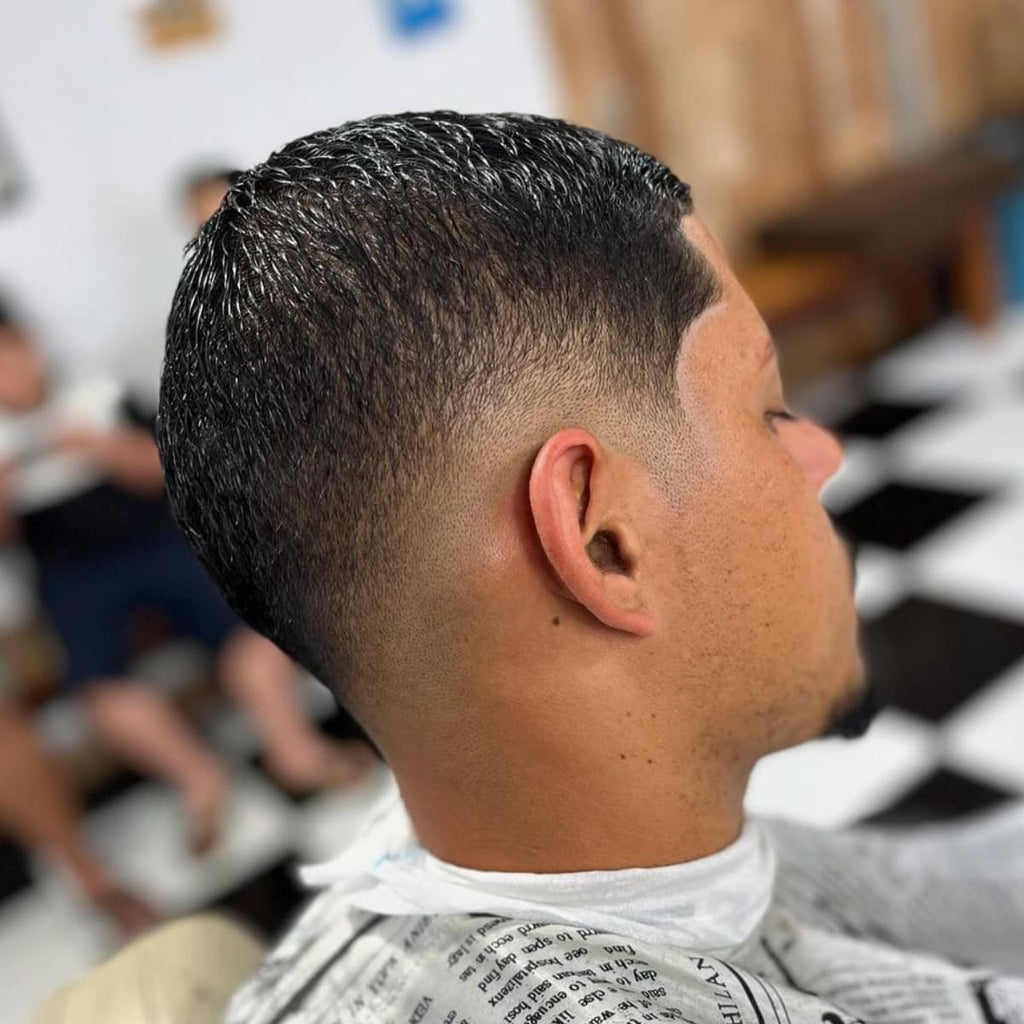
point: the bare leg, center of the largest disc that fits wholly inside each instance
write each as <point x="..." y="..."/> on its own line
<point x="141" y="726"/>
<point x="263" y="681"/>
<point x="39" y="810"/>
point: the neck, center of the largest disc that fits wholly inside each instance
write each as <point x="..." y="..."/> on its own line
<point x="559" y="789"/>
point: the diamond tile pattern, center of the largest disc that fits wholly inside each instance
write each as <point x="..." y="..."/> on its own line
<point x="880" y="419"/>
<point x="943" y="795"/>
<point x="928" y="658"/>
<point x="899" y="515"/>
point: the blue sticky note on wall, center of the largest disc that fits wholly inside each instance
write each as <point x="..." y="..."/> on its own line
<point x="412" y="17"/>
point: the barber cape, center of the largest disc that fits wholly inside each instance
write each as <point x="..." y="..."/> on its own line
<point x="787" y="925"/>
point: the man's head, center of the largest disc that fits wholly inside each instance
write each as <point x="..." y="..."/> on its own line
<point x="469" y="414"/>
<point x="202" y="192"/>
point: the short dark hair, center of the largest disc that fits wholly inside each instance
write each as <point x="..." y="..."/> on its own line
<point x="360" y="300"/>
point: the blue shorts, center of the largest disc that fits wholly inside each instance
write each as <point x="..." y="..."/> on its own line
<point x="91" y="602"/>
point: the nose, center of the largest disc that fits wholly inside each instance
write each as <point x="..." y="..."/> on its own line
<point x="817" y="451"/>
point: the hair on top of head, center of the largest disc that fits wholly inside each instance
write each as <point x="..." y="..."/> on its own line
<point x="357" y="304"/>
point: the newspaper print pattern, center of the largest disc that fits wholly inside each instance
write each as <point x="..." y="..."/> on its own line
<point x="865" y="927"/>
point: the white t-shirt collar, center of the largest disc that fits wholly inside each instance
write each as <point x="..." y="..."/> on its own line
<point x="712" y="905"/>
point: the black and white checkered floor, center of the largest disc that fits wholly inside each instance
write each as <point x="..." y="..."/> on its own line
<point x="933" y="492"/>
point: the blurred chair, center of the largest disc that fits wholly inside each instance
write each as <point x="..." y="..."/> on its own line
<point x="903" y="221"/>
<point x="822" y="310"/>
<point x="183" y="973"/>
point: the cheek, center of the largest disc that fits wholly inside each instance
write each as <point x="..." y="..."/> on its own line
<point x="758" y="544"/>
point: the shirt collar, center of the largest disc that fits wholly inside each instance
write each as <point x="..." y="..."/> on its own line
<point x="712" y="905"/>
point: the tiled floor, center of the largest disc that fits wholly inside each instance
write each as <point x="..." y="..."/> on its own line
<point x="138" y="828"/>
<point x="932" y="491"/>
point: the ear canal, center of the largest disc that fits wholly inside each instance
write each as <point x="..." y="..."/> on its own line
<point x="605" y="553"/>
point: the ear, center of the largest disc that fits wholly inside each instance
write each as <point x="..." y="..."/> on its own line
<point x="582" y="521"/>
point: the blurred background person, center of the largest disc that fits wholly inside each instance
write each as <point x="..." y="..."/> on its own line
<point x="85" y="493"/>
<point x="202" y="190"/>
<point x="39" y="809"/>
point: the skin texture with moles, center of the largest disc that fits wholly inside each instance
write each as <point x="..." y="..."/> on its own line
<point x="641" y="611"/>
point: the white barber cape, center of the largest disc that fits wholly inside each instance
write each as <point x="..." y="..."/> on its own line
<point x="787" y="925"/>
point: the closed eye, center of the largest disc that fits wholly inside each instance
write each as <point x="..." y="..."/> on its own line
<point x="772" y="416"/>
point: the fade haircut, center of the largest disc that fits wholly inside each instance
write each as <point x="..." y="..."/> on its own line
<point x="367" y="297"/>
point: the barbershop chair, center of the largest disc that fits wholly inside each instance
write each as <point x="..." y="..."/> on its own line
<point x="183" y="973"/>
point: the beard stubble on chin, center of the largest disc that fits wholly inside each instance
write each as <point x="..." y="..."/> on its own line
<point x="852" y="716"/>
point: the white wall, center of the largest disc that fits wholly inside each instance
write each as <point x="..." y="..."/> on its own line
<point x="102" y="127"/>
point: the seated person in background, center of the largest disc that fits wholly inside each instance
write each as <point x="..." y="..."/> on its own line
<point x="85" y="492"/>
<point x="469" y="414"/>
<point x="38" y="810"/>
<point x="202" y="190"/>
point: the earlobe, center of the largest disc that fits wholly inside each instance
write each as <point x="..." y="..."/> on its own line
<point x="590" y="548"/>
